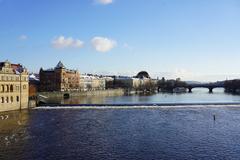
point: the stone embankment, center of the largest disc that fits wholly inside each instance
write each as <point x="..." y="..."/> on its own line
<point x="109" y="92"/>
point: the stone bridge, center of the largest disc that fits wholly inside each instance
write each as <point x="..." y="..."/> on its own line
<point x="210" y="86"/>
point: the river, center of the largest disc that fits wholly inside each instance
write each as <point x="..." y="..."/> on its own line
<point x="198" y="95"/>
<point x="170" y="132"/>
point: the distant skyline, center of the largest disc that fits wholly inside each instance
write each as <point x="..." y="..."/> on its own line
<point x="191" y="39"/>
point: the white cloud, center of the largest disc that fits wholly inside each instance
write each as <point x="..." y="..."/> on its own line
<point x="103" y="44"/>
<point x="62" y="42"/>
<point x="104" y="2"/>
<point x="23" y="37"/>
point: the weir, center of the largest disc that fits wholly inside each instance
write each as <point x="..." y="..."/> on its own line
<point x="138" y="106"/>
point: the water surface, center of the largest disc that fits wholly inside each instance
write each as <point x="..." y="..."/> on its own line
<point x="198" y="95"/>
<point x="150" y="133"/>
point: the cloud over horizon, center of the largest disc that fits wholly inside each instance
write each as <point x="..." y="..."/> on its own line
<point x="64" y="42"/>
<point x="104" y="2"/>
<point x="103" y="44"/>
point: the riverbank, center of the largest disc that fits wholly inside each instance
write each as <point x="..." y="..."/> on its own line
<point x="109" y="92"/>
<point x="197" y="96"/>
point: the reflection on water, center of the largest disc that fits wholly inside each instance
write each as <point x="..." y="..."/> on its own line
<point x="197" y="96"/>
<point x="13" y="132"/>
<point x="79" y="100"/>
<point x="171" y="133"/>
<point x="124" y="133"/>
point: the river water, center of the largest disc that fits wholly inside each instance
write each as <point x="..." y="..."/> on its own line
<point x="169" y="132"/>
<point x="197" y="96"/>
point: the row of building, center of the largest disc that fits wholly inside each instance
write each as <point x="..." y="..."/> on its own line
<point x="62" y="79"/>
<point x="16" y="85"/>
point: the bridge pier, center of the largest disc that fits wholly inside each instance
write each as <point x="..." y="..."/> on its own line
<point x="189" y="90"/>
<point x="210" y="90"/>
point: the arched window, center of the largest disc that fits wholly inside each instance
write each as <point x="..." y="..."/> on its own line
<point x="7" y="99"/>
<point x="2" y="99"/>
<point x="17" y="98"/>
<point x="11" y="99"/>
<point x="2" y="88"/>
<point x="7" y="88"/>
<point x="11" y="88"/>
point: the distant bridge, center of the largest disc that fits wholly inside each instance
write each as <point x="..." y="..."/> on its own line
<point x="210" y="86"/>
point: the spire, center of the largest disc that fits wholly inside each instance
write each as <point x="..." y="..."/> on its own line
<point x="60" y="65"/>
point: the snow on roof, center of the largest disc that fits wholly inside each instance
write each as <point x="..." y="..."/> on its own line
<point x="60" y="65"/>
<point x="33" y="77"/>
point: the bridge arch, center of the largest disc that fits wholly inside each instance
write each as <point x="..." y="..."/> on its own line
<point x="209" y="88"/>
<point x="190" y="89"/>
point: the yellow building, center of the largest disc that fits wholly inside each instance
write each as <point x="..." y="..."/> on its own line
<point x="13" y="87"/>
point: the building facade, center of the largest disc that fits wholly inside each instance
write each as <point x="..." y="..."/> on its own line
<point x="126" y="82"/>
<point x="33" y="85"/>
<point x="59" y="79"/>
<point x="92" y="83"/>
<point x="142" y="81"/>
<point x="13" y="87"/>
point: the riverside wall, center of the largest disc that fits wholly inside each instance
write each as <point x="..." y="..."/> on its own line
<point x="108" y="92"/>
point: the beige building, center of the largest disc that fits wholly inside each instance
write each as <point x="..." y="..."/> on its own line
<point x="127" y="82"/>
<point x="92" y="83"/>
<point x="13" y="87"/>
<point x="140" y="82"/>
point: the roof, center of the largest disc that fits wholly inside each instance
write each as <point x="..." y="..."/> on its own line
<point x="17" y="68"/>
<point x="33" y="77"/>
<point x="143" y="74"/>
<point x="60" y="65"/>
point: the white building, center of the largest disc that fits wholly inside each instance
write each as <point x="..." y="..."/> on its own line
<point x="92" y="83"/>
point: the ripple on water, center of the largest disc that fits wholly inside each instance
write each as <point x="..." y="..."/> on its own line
<point x="139" y="133"/>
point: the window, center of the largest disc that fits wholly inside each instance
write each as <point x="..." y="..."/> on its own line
<point x="2" y="88"/>
<point x="17" y="98"/>
<point x="7" y="99"/>
<point x="11" y="88"/>
<point x="7" y="88"/>
<point x="11" y="99"/>
<point x="24" y="86"/>
<point x="2" y="99"/>
<point x="17" y="88"/>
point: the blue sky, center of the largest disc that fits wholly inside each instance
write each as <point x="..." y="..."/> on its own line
<point x="192" y="39"/>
